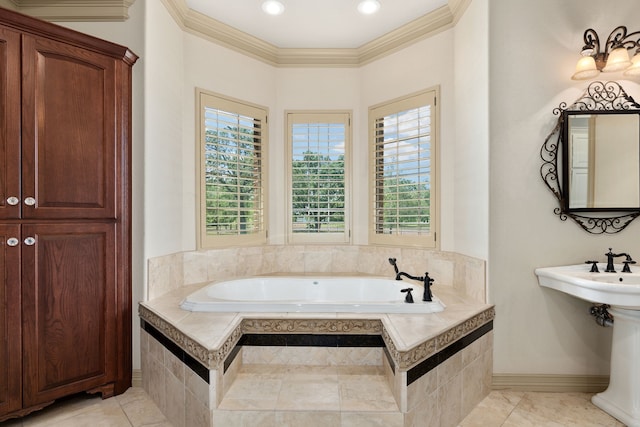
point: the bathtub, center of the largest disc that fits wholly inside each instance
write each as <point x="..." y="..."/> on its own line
<point x="310" y="295"/>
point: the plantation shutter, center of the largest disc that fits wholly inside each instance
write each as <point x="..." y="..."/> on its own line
<point x="318" y="197"/>
<point x="232" y="169"/>
<point x="403" y="173"/>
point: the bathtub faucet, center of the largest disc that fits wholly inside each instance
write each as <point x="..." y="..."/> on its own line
<point x="426" y="280"/>
<point x="610" y="256"/>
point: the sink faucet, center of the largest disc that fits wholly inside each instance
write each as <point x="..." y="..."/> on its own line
<point x="426" y="280"/>
<point x="610" y="256"/>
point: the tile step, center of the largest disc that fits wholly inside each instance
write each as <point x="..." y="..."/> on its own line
<point x="291" y="388"/>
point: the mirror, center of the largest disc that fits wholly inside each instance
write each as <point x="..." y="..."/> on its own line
<point x="593" y="164"/>
<point x="601" y="157"/>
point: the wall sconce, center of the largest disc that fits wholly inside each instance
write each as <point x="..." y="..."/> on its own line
<point x="615" y="56"/>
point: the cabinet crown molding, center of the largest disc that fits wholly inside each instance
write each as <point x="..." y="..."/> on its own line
<point x="73" y="10"/>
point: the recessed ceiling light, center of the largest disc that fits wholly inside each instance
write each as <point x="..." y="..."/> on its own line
<point x="272" y="7"/>
<point x="367" y="7"/>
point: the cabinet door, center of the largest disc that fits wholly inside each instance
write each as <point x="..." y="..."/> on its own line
<point x="69" y="314"/>
<point x="9" y="123"/>
<point x="10" y="334"/>
<point x="69" y="132"/>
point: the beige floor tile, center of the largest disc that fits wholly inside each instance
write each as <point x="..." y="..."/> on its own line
<point x="520" y="409"/>
<point x="139" y="409"/>
<point x="365" y="393"/>
<point x="69" y="408"/>
<point x="312" y="393"/>
<point x="369" y="419"/>
<point x="566" y="409"/>
<point x="309" y="396"/>
<point x="254" y="386"/>
<point x="310" y="419"/>
<point x="494" y="410"/>
<point x="244" y="418"/>
<point x="101" y="414"/>
<point x="134" y="408"/>
<point x="249" y="394"/>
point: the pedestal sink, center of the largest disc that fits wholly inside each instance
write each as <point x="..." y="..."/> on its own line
<point x="622" y="292"/>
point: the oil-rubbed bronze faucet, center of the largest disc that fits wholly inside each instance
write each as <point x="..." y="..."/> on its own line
<point x="610" y="256"/>
<point x="426" y="280"/>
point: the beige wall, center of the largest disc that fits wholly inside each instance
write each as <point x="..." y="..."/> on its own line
<point x="471" y="142"/>
<point x="533" y="50"/>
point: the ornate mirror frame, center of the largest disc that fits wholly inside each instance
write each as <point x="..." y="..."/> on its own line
<point x="598" y="96"/>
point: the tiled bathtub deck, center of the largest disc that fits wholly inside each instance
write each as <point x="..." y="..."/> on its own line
<point x="433" y="369"/>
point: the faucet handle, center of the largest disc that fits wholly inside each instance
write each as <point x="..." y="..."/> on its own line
<point x="594" y="266"/>
<point x="409" y="297"/>
<point x="626" y="263"/>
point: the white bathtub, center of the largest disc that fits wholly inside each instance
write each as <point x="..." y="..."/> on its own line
<point x="310" y="295"/>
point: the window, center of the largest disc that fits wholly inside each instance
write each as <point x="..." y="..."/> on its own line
<point x="318" y="146"/>
<point x="404" y="144"/>
<point x="233" y="140"/>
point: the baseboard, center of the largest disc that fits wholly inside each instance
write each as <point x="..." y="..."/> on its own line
<point x="551" y="383"/>
<point x="136" y="378"/>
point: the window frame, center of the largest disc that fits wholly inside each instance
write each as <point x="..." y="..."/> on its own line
<point x="206" y="99"/>
<point x="318" y="116"/>
<point x="414" y="100"/>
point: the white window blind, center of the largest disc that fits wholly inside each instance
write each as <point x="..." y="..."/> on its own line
<point x="403" y="173"/>
<point x="318" y="194"/>
<point x="232" y="199"/>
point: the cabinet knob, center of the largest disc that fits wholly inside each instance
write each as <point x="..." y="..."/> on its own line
<point x="12" y="241"/>
<point x="12" y="201"/>
<point x="30" y="241"/>
<point x="29" y="201"/>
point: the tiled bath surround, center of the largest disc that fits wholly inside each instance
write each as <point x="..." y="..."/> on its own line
<point x="436" y="377"/>
<point x="465" y="274"/>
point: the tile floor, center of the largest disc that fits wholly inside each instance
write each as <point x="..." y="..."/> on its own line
<point x="501" y="408"/>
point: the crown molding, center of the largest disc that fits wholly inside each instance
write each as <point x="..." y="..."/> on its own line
<point x="416" y="30"/>
<point x="73" y="10"/>
<point x="220" y="33"/>
<point x="458" y="7"/>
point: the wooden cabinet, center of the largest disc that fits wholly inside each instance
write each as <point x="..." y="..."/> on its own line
<point x="9" y="122"/>
<point x="10" y="322"/>
<point x="65" y="287"/>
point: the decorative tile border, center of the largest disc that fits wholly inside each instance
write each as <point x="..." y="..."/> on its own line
<point x="212" y="359"/>
<point x="343" y="326"/>
<point x="455" y="333"/>
<point x="404" y="360"/>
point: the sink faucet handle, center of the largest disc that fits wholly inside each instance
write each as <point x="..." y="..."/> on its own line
<point x="594" y="266"/>
<point x="626" y="263"/>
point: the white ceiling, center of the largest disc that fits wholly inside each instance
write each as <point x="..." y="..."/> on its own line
<point x="315" y="23"/>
